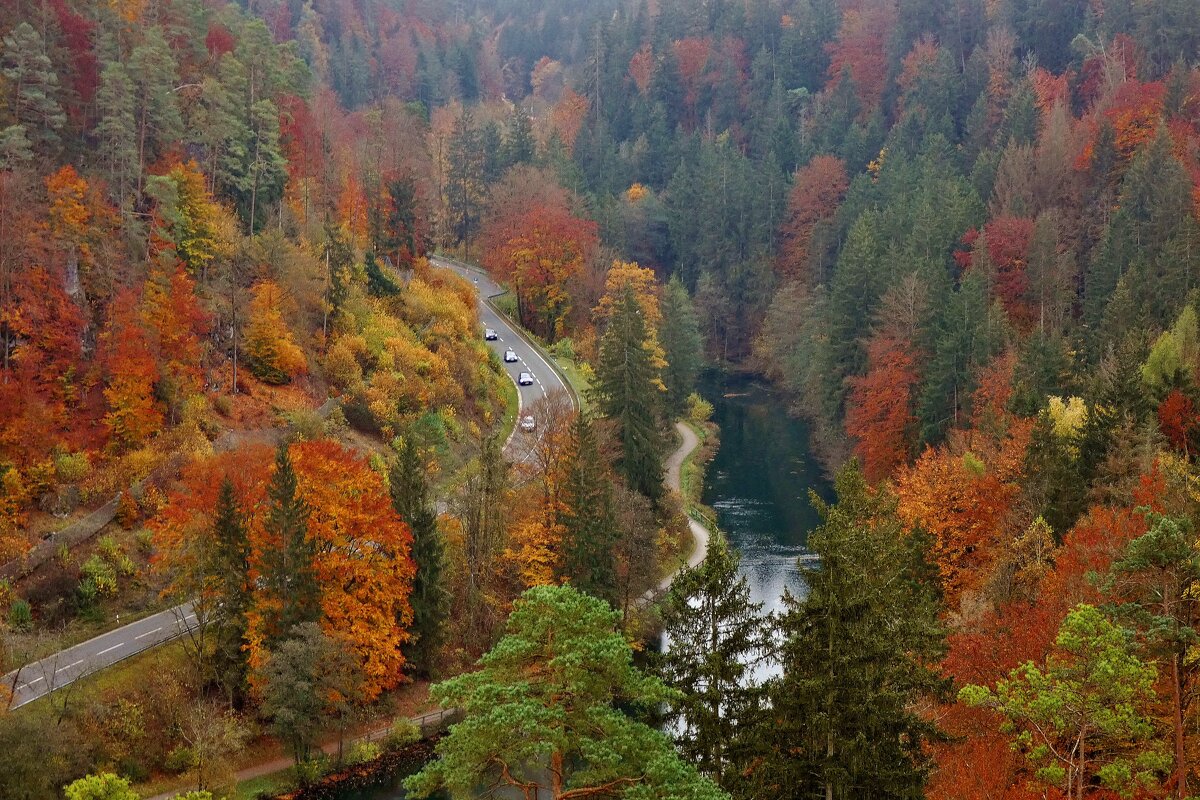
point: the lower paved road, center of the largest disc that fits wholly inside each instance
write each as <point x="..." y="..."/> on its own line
<point x="54" y="672"/>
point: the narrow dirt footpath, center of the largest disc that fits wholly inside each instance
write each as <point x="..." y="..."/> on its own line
<point x="675" y="482"/>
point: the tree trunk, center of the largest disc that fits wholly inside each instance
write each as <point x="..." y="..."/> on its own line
<point x="1181" y="769"/>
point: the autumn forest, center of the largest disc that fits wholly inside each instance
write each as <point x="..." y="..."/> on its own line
<point x="263" y="264"/>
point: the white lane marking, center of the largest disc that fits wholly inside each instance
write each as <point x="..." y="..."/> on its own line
<point x="109" y="650"/>
<point x="68" y="666"/>
<point x="147" y="633"/>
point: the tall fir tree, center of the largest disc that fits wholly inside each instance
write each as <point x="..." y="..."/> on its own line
<point x="289" y="577"/>
<point x="859" y="651"/>
<point x="409" y="489"/>
<point x="625" y="393"/>
<point x="717" y="637"/>
<point x="231" y="574"/>
<point x="33" y="89"/>
<point x="588" y="517"/>
<point x="679" y="335"/>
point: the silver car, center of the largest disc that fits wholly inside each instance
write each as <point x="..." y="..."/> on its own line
<point x="510" y="356"/>
<point x="525" y="379"/>
<point x="528" y="424"/>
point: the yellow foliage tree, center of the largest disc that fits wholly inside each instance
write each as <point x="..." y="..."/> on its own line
<point x="274" y="355"/>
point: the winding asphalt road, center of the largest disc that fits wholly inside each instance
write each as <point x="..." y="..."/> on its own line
<point x="546" y="380"/>
<point x="66" y="666"/>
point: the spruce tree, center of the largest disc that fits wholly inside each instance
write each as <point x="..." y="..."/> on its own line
<point x="717" y="636"/>
<point x="625" y="393"/>
<point x="587" y="519"/>
<point x="289" y="578"/>
<point x="859" y="651"/>
<point x="231" y="574"/>
<point x="519" y="145"/>
<point x="409" y="488"/>
<point x="379" y="283"/>
<point x="679" y="335"/>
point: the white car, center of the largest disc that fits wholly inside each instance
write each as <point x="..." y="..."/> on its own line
<point x="525" y="379"/>
<point x="528" y="424"/>
<point x="490" y="334"/>
<point x="510" y="356"/>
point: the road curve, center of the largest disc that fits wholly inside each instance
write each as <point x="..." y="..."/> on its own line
<point x="66" y="666"/>
<point x="546" y="379"/>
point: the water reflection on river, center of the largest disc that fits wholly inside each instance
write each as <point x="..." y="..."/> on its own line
<point x="759" y="483"/>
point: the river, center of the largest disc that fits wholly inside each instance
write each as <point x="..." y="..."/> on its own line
<point x="759" y="483"/>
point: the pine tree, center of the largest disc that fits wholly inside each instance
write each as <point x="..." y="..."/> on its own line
<point x="288" y="575"/>
<point x="679" y="335"/>
<point x="717" y="636"/>
<point x="33" y="88"/>
<point x="859" y="651"/>
<point x="587" y="520"/>
<point x="409" y="489"/>
<point x="157" y="122"/>
<point x="231" y="573"/>
<point x="624" y="392"/>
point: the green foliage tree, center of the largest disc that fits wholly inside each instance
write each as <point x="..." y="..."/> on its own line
<point x="679" y="335"/>
<point x="310" y="680"/>
<point x="1083" y="716"/>
<point x="1159" y="572"/>
<point x="545" y="711"/>
<point x="379" y="283"/>
<point x="625" y="393"/>
<point x="231" y="582"/>
<point x="101" y="786"/>
<point x="859" y="651"/>
<point x="409" y="489"/>
<point x="1173" y="358"/>
<point x="717" y="636"/>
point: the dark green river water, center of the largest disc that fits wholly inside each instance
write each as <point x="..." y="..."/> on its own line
<point x="759" y="482"/>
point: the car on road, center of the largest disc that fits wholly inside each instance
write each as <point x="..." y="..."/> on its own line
<point x="510" y="356"/>
<point x="525" y="379"/>
<point x="490" y="334"/>
<point x="528" y="424"/>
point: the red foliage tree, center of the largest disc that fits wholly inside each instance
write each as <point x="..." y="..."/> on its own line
<point x="816" y="194"/>
<point x="1007" y="241"/>
<point x="879" y="410"/>
<point x="861" y="48"/>
<point x="1177" y="420"/>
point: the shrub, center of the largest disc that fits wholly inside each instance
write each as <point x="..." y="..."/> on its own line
<point x="180" y="759"/>
<point x="101" y="574"/>
<point x="223" y="404"/>
<point x="20" y="615"/>
<point x="72" y="467"/>
<point x="307" y="425"/>
<point x="128" y="512"/>
<point x="564" y="348"/>
<point x="362" y="751"/>
<point x="145" y="542"/>
<point x="403" y="733"/>
<point x="699" y="410"/>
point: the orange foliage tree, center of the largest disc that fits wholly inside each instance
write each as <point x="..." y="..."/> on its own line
<point x="133" y="413"/>
<point x="362" y="550"/>
<point x="172" y="314"/>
